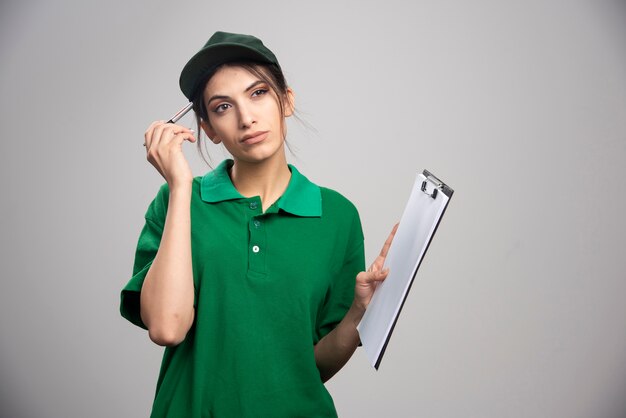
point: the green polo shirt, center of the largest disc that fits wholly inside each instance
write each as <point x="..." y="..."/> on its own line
<point x="268" y="287"/>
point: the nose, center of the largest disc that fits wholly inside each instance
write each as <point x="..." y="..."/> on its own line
<point x="246" y="116"/>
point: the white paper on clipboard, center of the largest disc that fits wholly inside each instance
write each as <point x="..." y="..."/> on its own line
<point x="422" y="214"/>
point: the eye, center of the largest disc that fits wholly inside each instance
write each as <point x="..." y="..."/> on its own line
<point x="259" y="92"/>
<point x="221" y="108"/>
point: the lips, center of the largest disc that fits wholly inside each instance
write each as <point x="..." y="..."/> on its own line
<point x="254" y="137"/>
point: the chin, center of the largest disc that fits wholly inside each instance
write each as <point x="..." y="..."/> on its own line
<point x="261" y="154"/>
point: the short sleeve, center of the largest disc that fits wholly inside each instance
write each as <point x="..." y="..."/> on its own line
<point x="147" y="247"/>
<point x="341" y="292"/>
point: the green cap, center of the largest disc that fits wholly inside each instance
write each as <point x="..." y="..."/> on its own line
<point x="222" y="47"/>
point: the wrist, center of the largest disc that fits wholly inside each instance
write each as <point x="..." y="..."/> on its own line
<point x="180" y="194"/>
<point x="356" y="312"/>
<point x="181" y="187"/>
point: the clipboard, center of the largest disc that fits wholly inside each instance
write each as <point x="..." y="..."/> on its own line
<point x="422" y="214"/>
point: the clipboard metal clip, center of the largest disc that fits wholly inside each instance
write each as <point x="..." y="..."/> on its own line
<point x="434" y="180"/>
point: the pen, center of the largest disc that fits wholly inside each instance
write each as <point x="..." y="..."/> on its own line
<point x="182" y="112"/>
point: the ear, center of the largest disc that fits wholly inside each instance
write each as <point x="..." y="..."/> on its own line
<point x="290" y="102"/>
<point x="210" y="132"/>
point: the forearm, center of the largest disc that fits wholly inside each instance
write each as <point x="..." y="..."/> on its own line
<point x="334" y="350"/>
<point x="167" y="294"/>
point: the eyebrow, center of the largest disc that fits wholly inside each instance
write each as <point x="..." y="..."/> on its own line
<point x="222" y="97"/>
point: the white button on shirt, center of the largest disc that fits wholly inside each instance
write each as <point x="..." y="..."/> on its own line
<point x="255" y="249"/>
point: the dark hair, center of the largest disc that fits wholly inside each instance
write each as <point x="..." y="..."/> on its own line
<point x="270" y="74"/>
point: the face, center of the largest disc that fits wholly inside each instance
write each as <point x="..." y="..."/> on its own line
<point x="244" y="115"/>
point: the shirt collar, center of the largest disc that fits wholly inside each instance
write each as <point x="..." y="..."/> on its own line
<point x="302" y="197"/>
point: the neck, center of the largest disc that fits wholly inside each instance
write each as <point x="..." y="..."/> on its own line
<point x="268" y="179"/>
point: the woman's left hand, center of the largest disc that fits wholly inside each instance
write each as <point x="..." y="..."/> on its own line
<point x="366" y="281"/>
<point x="336" y="348"/>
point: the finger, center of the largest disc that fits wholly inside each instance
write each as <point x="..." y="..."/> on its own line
<point x="171" y="133"/>
<point x="162" y="133"/>
<point x="169" y="139"/>
<point x="387" y="244"/>
<point x="369" y="277"/>
<point x="149" y="134"/>
<point x="154" y="125"/>
<point x="179" y="128"/>
<point x="176" y="128"/>
<point x="153" y="144"/>
<point x="380" y="260"/>
<point x="186" y="135"/>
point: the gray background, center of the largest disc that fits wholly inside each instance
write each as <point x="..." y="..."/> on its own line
<point x="518" y="309"/>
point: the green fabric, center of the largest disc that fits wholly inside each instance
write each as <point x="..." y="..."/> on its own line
<point x="258" y="315"/>
<point x="222" y="47"/>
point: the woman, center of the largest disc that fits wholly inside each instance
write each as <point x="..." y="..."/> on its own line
<point x="247" y="274"/>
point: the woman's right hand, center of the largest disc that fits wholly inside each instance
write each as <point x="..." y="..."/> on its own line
<point x="164" y="146"/>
